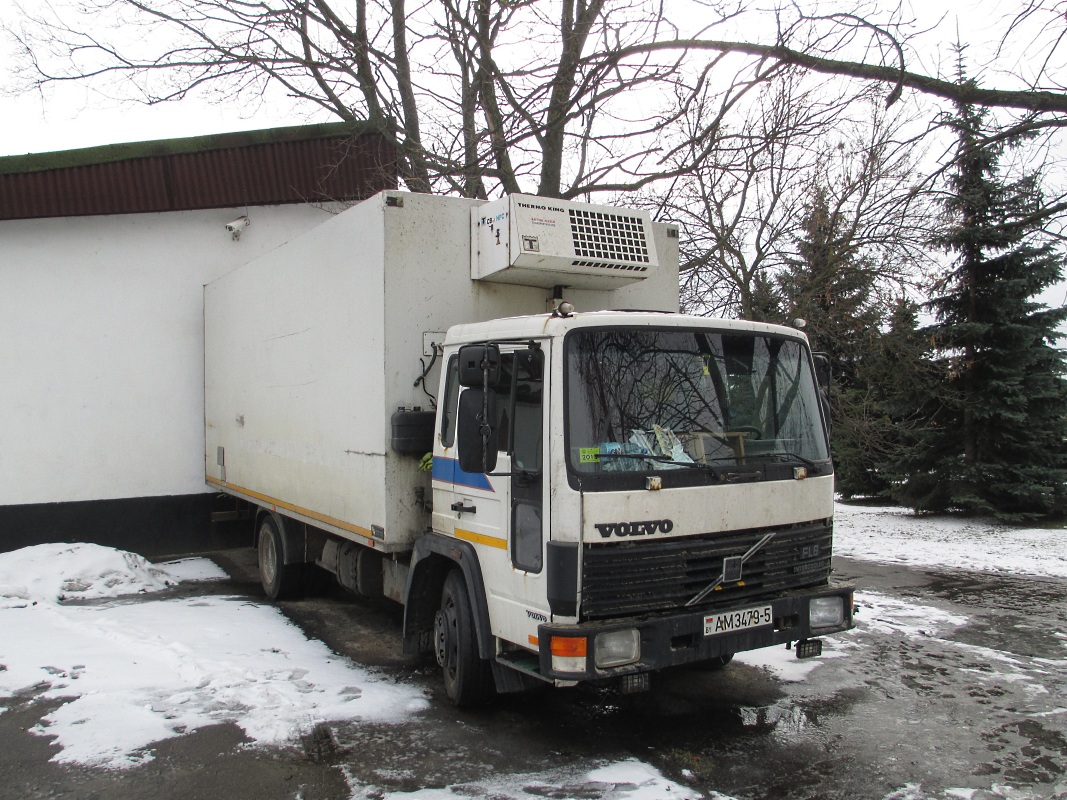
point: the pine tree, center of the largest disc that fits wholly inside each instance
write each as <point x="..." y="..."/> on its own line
<point x="766" y="300"/>
<point x="832" y="288"/>
<point x="901" y="391"/>
<point x="996" y="441"/>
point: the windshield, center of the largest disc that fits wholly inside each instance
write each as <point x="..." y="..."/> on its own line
<point x="651" y="399"/>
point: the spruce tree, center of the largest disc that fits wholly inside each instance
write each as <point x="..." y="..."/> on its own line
<point x="996" y="441"/>
<point x="902" y="385"/>
<point x="831" y="287"/>
<point x="766" y="300"/>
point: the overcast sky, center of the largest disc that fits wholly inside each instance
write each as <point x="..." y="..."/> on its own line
<point x="71" y="117"/>
<point x="65" y="121"/>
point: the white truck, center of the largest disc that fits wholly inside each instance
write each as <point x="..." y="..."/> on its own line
<point x="424" y="396"/>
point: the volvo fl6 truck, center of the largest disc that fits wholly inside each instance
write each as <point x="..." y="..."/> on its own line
<point x="493" y="413"/>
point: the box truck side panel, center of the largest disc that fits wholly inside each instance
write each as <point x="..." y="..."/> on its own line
<point x="311" y="348"/>
<point x="294" y="361"/>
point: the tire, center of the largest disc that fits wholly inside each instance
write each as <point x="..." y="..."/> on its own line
<point x="280" y="580"/>
<point x="468" y="677"/>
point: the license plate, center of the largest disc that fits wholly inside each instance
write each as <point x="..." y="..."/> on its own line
<point x="731" y="621"/>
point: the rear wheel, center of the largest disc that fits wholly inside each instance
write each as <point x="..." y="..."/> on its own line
<point x="280" y="580"/>
<point x="468" y="677"/>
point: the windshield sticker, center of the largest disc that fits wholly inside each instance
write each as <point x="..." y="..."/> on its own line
<point x="588" y="455"/>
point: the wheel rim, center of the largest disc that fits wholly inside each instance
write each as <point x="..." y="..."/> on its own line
<point x="446" y="644"/>
<point x="268" y="561"/>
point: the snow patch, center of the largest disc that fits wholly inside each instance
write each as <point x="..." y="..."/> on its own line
<point x="899" y="536"/>
<point x="131" y="674"/>
<point x="621" y="780"/>
<point x="914" y="791"/>
<point x="190" y="570"/>
<point x="886" y="614"/>
<point x="785" y="665"/>
<point x="56" y="572"/>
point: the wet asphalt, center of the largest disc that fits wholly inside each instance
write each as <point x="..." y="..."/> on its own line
<point x="900" y="713"/>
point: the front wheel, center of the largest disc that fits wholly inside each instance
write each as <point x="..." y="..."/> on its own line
<point x="468" y="677"/>
<point x="280" y="580"/>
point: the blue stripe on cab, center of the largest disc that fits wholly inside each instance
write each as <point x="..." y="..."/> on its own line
<point x="447" y="470"/>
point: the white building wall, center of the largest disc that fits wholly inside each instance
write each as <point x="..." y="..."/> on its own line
<point x="101" y="347"/>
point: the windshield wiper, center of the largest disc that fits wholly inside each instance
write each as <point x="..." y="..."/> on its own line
<point x="788" y="457"/>
<point x="668" y="460"/>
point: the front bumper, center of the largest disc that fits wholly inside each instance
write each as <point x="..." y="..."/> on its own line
<point x="676" y="639"/>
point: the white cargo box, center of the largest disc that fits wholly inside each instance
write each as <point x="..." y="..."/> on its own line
<point x="311" y="348"/>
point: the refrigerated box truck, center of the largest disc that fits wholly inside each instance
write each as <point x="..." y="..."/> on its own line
<point x="433" y="399"/>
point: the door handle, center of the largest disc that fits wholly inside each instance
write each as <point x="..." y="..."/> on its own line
<point x="458" y="506"/>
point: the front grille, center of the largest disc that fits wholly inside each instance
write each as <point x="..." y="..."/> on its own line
<point x="625" y="578"/>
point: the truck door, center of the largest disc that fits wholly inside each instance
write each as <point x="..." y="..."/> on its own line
<point x="502" y="513"/>
<point x="526" y="447"/>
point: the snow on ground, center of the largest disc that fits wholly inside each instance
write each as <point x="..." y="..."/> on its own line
<point x="898" y="536"/>
<point x="784" y="663"/>
<point x="914" y="791"/>
<point x="621" y="780"/>
<point x="81" y="626"/>
<point x="878" y="613"/>
<point x="135" y="671"/>
<point x="891" y="615"/>
<point x="55" y="572"/>
<point x="894" y="535"/>
<point x="96" y="629"/>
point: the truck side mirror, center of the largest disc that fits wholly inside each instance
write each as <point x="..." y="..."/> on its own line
<point x="479" y="366"/>
<point x="476" y="432"/>
<point x="823" y="377"/>
<point x="823" y="371"/>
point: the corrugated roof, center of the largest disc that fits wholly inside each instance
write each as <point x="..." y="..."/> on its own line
<point x="334" y="161"/>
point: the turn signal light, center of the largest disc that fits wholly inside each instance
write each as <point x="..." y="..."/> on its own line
<point x="570" y="646"/>
<point x="569" y="653"/>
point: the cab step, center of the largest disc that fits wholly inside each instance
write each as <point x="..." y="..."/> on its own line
<point x="523" y="662"/>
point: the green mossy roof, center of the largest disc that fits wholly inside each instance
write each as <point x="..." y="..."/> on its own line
<point x="106" y="154"/>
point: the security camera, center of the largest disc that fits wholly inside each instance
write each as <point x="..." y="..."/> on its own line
<point x="237" y="226"/>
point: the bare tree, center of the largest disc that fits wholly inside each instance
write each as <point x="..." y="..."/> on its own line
<point x="742" y="206"/>
<point x="564" y="98"/>
<point x="1022" y="77"/>
<point x="735" y="207"/>
<point x="868" y="42"/>
<point x="477" y="95"/>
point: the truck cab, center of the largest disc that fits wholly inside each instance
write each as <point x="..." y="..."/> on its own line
<point x="636" y="491"/>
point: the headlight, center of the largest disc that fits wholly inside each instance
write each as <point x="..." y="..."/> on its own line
<point x="617" y="648"/>
<point x="826" y="612"/>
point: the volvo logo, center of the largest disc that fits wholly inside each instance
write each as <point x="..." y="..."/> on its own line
<point x="647" y="528"/>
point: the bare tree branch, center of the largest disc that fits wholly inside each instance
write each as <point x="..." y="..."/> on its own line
<point x="1026" y="99"/>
